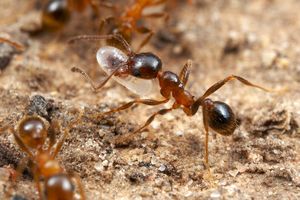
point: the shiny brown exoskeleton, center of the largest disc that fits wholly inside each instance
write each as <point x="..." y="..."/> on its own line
<point x="217" y="115"/>
<point x="57" y="13"/>
<point x="31" y="135"/>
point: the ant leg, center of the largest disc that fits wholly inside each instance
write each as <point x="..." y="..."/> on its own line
<point x="107" y="5"/>
<point x="16" y="45"/>
<point x="205" y="123"/>
<point x="185" y="72"/>
<point x="104" y="37"/>
<point x="36" y="178"/>
<point x="218" y="85"/>
<point x="131" y="103"/>
<point x="79" y="184"/>
<point x="154" y="3"/>
<point x="158" y="15"/>
<point x="53" y="129"/>
<point x="20" y="168"/>
<point x="125" y="139"/>
<point x="144" y="30"/>
<point x="66" y="133"/>
<point x="105" y="21"/>
<point x="95" y="87"/>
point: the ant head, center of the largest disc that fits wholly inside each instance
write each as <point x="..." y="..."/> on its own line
<point x="144" y="65"/>
<point x="219" y="116"/>
<point x="55" y="15"/>
<point x="33" y="131"/>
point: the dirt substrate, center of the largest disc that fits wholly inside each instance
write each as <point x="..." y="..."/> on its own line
<point x="258" y="40"/>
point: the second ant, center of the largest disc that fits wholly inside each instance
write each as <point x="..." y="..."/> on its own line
<point x="136" y="71"/>
<point x="31" y="136"/>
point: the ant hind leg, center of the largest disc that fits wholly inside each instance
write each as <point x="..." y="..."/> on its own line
<point x="126" y="139"/>
<point x="129" y="104"/>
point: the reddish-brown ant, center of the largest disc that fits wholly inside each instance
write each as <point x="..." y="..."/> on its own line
<point x="126" y="68"/>
<point x="128" y="22"/>
<point x="30" y="135"/>
<point x="56" y="14"/>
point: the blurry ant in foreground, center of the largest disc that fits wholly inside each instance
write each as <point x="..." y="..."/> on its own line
<point x="30" y="135"/>
<point x="136" y="71"/>
<point x="57" y="13"/>
<point x="130" y="21"/>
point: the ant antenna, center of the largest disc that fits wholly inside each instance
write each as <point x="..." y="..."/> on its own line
<point x="103" y="37"/>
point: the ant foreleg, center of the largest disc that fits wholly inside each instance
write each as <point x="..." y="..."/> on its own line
<point x="131" y="103"/>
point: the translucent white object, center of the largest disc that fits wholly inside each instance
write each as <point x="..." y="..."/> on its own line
<point x="109" y="58"/>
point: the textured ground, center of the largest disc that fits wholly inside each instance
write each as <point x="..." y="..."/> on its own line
<point x="257" y="39"/>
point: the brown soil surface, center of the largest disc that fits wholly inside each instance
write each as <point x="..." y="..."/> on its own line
<point x="258" y="40"/>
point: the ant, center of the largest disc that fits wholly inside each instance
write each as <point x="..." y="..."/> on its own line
<point x="128" y="67"/>
<point x="30" y="135"/>
<point x="57" y="13"/>
<point x="130" y="20"/>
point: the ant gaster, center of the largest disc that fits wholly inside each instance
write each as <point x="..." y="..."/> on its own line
<point x="57" y="13"/>
<point x="30" y="135"/>
<point x="217" y="115"/>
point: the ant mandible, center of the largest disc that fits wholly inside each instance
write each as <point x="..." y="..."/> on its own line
<point x="129" y="67"/>
<point x="57" y="13"/>
<point x="129" y="21"/>
<point x="30" y="135"/>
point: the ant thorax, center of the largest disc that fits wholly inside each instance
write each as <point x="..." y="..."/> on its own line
<point x="110" y="58"/>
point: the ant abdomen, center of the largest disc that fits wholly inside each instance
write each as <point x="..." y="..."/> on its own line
<point x="55" y="15"/>
<point x="33" y="131"/>
<point x="219" y="116"/>
<point x="61" y="185"/>
<point x="111" y="58"/>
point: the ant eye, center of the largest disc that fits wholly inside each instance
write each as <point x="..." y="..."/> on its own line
<point x="33" y="132"/>
<point x="220" y="117"/>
